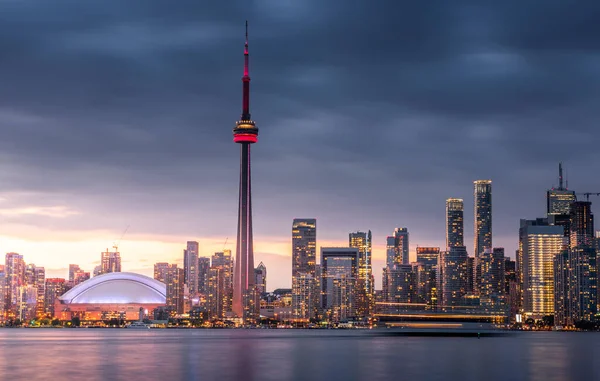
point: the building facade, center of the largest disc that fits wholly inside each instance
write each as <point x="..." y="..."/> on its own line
<point x="364" y="285"/>
<point x="483" y="224"/>
<point x="454" y="222"/>
<point x="539" y="244"/>
<point x="339" y="269"/>
<point x="452" y="276"/>
<point x="190" y="267"/>
<point x="304" y="277"/>
<point x="397" y="248"/>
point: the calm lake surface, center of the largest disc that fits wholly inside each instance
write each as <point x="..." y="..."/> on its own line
<point x="121" y="354"/>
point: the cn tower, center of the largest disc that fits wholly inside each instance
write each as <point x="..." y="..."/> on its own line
<point x="244" y="133"/>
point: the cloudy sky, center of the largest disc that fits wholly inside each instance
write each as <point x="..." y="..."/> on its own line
<point x="371" y="113"/>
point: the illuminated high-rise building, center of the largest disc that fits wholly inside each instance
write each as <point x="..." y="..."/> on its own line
<point x="364" y="284"/>
<point x="304" y="246"/>
<point x="454" y="222"/>
<point x="224" y="279"/>
<point x="203" y="267"/>
<point x="245" y="133"/>
<point x="55" y="287"/>
<point x="190" y="266"/>
<point x="305" y="292"/>
<point x="559" y="200"/>
<point x="398" y="284"/>
<point x="173" y="278"/>
<point x="425" y="272"/>
<point x="539" y="244"/>
<point x="40" y="283"/>
<point x="339" y="271"/>
<point x="305" y="297"/>
<point x="397" y="248"/>
<point x="14" y="269"/>
<point x="581" y="226"/>
<point x="110" y="262"/>
<point x="583" y="262"/>
<point x="77" y="275"/>
<point x="215" y="289"/>
<point x="492" y="273"/>
<point x="483" y="224"/>
<point x="260" y="280"/>
<point x="428" y="255"/>
<point x="452" y="276"/>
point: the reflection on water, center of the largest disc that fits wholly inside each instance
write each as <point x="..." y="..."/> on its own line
<point x="257" y="355"/>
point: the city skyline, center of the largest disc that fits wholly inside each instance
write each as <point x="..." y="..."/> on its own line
<point x="150" y="149"/>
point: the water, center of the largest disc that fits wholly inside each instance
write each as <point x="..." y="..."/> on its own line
<point x="170" y="355"/>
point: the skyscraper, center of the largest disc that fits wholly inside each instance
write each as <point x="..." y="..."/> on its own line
<point x="454" y="222"/>
<point x="483" y="224"/>
<point x="55" y="287"/>
<point x="539" y="243"/>
<point x="558" y="200"/>
<point x="260" y="279"/>
<point x="245" y="133"/>
<point x="304" y="246"/>
<point x="583" y="263"/>
<point x="14" y="280"/>
<point x="452" y="276"/>
<point x="581" y="226"/>
<point x="223" y="279"/>
<point x="173" y="277"/>
<point x="203" y="267"/>
<point x="339" y="269"/>
<point x="190" y="266"/>
<point x="398" y="284"/>
<point x="492" y="272"/>
<point x="397" y="248"/>
<point x="305" y="294"/>
<point x="364" y="286"/>
<point x="110" y="262"/>
<point x="426" y="275"/>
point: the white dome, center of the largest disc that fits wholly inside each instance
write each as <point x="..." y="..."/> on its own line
<point x="117" y="288"/>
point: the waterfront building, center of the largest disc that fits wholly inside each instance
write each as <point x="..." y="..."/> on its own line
<point x="305" y="295"/>
<point x="452" y="276"/>
<point x="483" y="225"/>
<point x="304" y="249"/>
<point x="14" y="268"/>
<point x="398" y="284"/>
<point x="454" y="222"/>
<point x="203" y="267"/>
<point x="511" y="286"/>
<point x="223" y="261"/>
<point x="425" y="272"/>
<point x="55" y="287"/>
<point x="398" y="248"/>
<point x="492" y="272"/>
<point x="190" y="267"/>
<point x="339" y="268"/>
<point x="173" y="279"/>
<point x="216" y="293"/>
<point x="539" y="244"/>
<point x="118" y="295"/>
<point x="364" y="284"/>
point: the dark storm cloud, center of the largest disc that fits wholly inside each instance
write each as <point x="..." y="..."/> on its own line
<point x="387" y="106"/>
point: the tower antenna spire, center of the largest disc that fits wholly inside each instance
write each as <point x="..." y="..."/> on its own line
<point x="246" y="81"/>
<point x="560" y="176"/>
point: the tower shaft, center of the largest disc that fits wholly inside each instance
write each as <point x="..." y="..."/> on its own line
<point x="245" y="296"/>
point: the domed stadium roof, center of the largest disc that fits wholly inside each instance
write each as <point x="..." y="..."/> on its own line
<point x="117" y="288"/>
